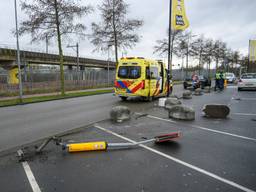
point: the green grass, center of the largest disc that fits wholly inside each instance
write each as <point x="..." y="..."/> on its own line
<point x="36" y="99"/>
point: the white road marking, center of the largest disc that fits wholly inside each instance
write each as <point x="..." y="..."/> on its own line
<point x="231" y="87"/>
<point x="30" y="175"/>
<point x="205" y="129"/>
<point x="249" y="99"/>
<point x="180" y="161"/>
<point x="245" y="114"/>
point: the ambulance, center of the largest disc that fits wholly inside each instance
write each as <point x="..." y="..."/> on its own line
<point x="137" y="76"/>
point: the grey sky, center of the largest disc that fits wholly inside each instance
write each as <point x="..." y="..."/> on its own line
<point x="233" y="21"/>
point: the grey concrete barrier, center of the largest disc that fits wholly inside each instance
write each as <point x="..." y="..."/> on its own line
<point x="181" y="112"/>
<point x="198" y="92"/>
<point x="120" y="113"/>
<point x="207" y="89"/>
<point x="216" y="110"/>
<point x="187" y="95"/>
<point x="169" y="102"/>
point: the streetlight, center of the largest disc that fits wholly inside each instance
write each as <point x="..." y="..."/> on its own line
<point x="77" y="57"/>
<point x="18" y="52"/>
<point x="169" y="48"/>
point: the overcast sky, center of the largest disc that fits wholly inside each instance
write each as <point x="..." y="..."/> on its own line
<point x="232" y="21"/>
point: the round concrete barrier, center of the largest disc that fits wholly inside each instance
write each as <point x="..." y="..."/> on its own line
<point x="187" y="95"/>
<point x="181" y="112"/>
<point x="216" y="110"/>
<point x="120" y="113"/>
<point x="169" y="102"/>
<point x="198" y="92"/>
<point x="207" y="89"/>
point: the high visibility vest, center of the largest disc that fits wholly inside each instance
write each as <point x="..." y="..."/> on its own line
<point x="217" y="76"/>
<point x="222" y="76"/>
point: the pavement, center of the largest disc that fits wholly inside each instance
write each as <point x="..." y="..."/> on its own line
<point x="211" y="155"/>
<point x="54" y="93"/>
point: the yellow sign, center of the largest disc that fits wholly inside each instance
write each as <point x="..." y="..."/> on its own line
<point x="252" y="50"/>
<point x="179" y="18"/>
<point x="13" y="76"/>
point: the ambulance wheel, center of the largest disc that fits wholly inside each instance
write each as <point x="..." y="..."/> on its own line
<point x="123" y="98"/>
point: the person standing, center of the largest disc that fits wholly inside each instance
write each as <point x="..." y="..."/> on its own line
<point x="221" y="81"/>
<point x="217" y="80"/>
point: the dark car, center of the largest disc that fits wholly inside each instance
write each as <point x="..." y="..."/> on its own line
<point x="204" y="81"/>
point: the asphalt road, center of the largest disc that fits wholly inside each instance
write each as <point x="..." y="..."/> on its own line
<point x="212" y="155"/>
<point x="27" y="123"/>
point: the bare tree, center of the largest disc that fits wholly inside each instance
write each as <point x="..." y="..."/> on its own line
<point x="115" y="29"/>
<point x="161" y="47"/>
<point x="197" y="49"/>
<point x="236" y="57"/>
<point x="207" y="55"/>
<point x="219" y="49"/>
<point x="53" y="18"/>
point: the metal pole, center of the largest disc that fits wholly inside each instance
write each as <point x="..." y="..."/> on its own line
<point x="182" y="68"/>
<point x="169" y="49"/>
<point x="77" y="61"/>
<point x="248" y="66"/>
<point x="108" y="65"/>
<point x="46" y="43"/>
<point x="18" y="52"/>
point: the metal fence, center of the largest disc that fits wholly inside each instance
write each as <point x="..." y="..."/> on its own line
<point x="36" y="81"/>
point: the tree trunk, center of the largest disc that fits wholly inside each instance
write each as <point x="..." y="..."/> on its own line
<point x="199" y="62"/>
<point x="209" y="69"/>
<point x="217" y="63"/>
<point x="187" y="60"/>
<point x="115" y="35"/>
<point x="60" y="49"/>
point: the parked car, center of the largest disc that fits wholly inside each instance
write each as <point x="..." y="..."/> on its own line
<point x="247" y="81"/>
<point x="230" y="77"/>
<point x="204" y="81"/>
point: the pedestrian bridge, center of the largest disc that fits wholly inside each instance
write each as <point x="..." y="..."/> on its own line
<point x="8" y="60"/>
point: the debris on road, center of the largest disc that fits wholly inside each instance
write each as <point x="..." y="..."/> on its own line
<point x="216" y="110"/>
<point x="181" y="112"/>
<point x="103" y="145"/>
<point x="120" y="113"/>
<point x="161" y="102"/>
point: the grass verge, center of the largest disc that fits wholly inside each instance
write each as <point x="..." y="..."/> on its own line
<point x="36" y="99"/>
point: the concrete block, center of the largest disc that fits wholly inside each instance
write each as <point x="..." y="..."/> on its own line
<point x="190" y="88"/>
<point x="207" y="89"/>
<point x="172" y="101"/>
<point x="187" y="95"/>
<point x="216" y="110"/>
<point x="198" y="92"/>
<point x="174" y="96"/>
<point x="181" y="112"/>
<point x="120" y="113"/>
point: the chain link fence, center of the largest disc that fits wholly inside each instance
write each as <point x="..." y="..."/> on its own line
<point x="36" y="81"/>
